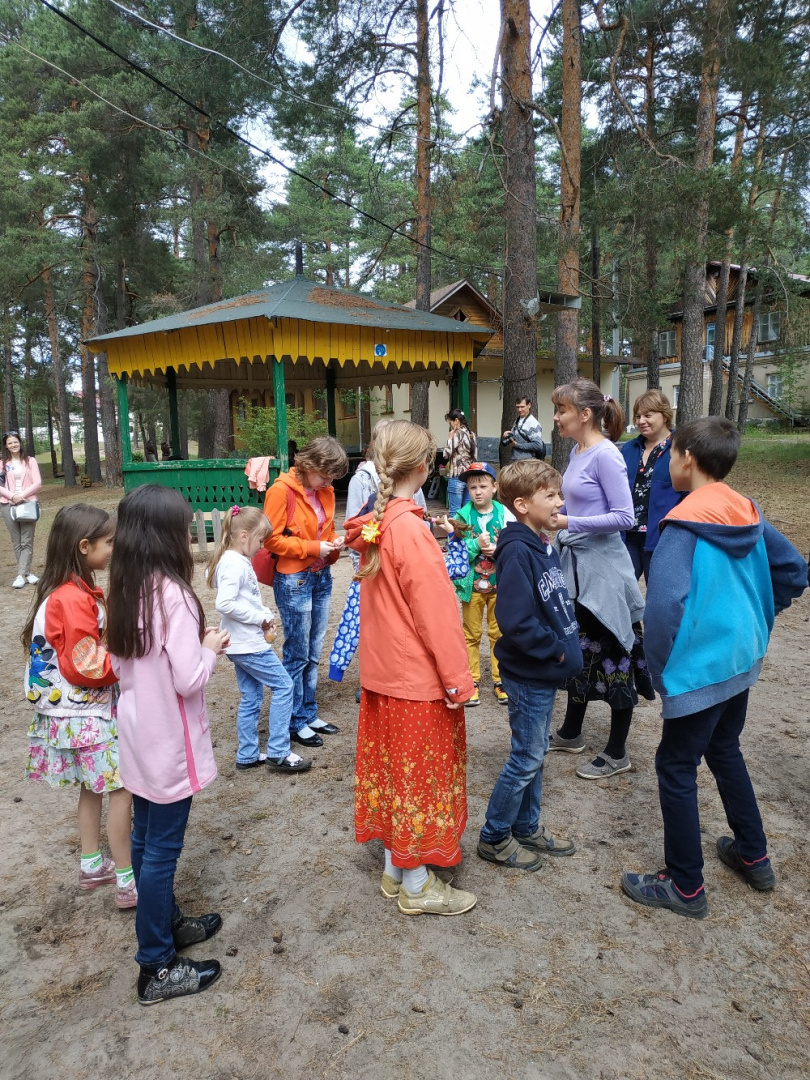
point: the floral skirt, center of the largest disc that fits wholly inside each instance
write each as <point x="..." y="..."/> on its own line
<point x="609" y="672"/>
<point x="68" y="750"/>
<point x="410" y="779"/>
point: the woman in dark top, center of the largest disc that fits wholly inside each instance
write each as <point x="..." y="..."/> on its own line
<point x="647" y="460"/>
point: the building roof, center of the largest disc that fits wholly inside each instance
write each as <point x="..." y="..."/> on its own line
<point x="549" y="300"/>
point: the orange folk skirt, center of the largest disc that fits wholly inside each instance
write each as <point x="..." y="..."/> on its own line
<point x="410" y="779"/>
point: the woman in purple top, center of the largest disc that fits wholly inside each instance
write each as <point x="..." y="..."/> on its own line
<point x="598" y="508"/>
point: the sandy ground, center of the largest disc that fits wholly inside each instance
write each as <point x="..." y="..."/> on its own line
<point x="553" y="975"/>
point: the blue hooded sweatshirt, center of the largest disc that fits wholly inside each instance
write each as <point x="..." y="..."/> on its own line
<point x="721" y="575"/>
<point x="533" y="611"/>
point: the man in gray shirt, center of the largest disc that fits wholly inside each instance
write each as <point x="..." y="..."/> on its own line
<point x="526" y="435"/>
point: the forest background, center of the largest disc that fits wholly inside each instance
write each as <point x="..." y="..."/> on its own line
<point x="623" y="145"/>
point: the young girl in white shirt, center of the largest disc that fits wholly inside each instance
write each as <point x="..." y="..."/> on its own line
<point x="250" y="624"/>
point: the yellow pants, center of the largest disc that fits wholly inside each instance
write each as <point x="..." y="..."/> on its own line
<point x="472" y="618"/>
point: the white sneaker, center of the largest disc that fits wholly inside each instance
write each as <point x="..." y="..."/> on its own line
<point x="32" y="579"/>
<point x="18" y="582"/>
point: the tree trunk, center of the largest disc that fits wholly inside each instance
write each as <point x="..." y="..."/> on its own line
<point x="89" y="282"/>
<point x="222" y="427"/>
<point x="9" y="401"/>
<point x="745" y="393"/>
<point x="29" y="374"/>
<point x="68" y="464"/>
<point x="716" y="392"/>
<point x="690" y="404"/>
<point x="520" y="277"/>
<point x="420" y="392"/>
<point x="596" y="307"/>
<point x="565" y="362"/>
<point x="109" y="418"/>
<point x="736" y="341"/>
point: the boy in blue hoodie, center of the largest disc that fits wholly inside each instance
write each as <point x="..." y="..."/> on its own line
<point x="723" y="574"/>
<point x="537" y="651"/>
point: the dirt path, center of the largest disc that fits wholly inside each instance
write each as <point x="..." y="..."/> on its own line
<point x="553" y="975"/>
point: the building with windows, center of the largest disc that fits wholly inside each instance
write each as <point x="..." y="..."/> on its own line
<point x="780" y="389"/>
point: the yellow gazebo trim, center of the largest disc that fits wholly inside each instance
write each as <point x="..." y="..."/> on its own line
<point x="248" y="339"/>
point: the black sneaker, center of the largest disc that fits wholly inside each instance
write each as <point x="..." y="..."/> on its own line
<point x="759" y="875"/>
<point x="191" y="930"/>
<point x="179" y="978"/>
<point x="658" y="890"/>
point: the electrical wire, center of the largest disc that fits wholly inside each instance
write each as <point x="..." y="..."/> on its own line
<point x="289" y="91"/>
<point x="392" y="230"/>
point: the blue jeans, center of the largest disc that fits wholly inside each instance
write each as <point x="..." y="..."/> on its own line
<point x="514" y="806"/>
<point x="158" y="830"/>
<point x="457" y="495"/>
<point x="303" y="604"/>
<point x="713" y="734"/>
<point x="255" y="671"/>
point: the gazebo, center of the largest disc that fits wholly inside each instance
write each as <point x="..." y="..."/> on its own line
<point x="295" y="335"/>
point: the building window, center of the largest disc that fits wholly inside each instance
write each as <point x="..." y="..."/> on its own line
<point x="775" y="385"/>
<point x="348" y="405"/>
<point x="668" y="343"/>
<point x="460" y="316"/>
<point x="676" y="393"/>
<point x="769" y="326"/>
<point x="708" y="352"/>
<point x="388" y="399"/>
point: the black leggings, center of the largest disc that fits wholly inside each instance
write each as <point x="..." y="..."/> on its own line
<point x="620" y="720"/>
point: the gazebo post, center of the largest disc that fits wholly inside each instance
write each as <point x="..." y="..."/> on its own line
<point x="331" y="422"/>
<point x="464" y="390"/>
<point x="174" y="416"/>
<point x="280" y="404"/>
<point x="123" y="414"/>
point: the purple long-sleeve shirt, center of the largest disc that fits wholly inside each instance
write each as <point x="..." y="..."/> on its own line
<point x="597" y="493"/>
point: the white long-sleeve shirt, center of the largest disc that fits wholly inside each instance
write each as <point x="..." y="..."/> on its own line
<point x="239" y="602"/>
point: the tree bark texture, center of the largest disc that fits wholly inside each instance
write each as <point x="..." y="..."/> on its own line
<point x="9" y="401"/>
<point x="89" y="283"/>
<point x="565" y="361"/>
<point x="68" y="464"/>
<point x="690" y="404"/>
<point x="520" y="275"/>
<point x="420" y="410"/>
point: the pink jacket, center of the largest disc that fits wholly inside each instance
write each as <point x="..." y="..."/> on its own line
<point x="31" y="481"/>
<point x="164" y="740"/>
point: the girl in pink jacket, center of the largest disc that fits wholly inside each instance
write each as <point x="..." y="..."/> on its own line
<point x="20" y="482"/>
<point x="164" y="656"/>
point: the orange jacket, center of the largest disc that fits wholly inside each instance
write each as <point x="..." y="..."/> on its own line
<point x="301" y="549"/>
<point x="411" y="641"/>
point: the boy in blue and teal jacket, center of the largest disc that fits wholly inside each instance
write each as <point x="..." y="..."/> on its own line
<point x="722" y="574"/>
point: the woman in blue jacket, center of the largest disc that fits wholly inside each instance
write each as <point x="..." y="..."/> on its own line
<point x="647" y="460"/>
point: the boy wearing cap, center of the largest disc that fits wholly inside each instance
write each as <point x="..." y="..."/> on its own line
<point x="486" y="517"/>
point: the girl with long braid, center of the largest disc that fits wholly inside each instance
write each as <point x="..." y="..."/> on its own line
<point x="410" y="783"/>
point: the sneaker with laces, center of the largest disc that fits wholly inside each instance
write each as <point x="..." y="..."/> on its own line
<point x="126" y="897"/>
<point x="510" y="853"/>
<point x="18" y="582"/>
<point x="544" y="844"/>
<point x="603" y="766"/>
<point x="436" y="898"/>
<point x="179" y="978"/>
<point x="658" y="890"/>
<point x="475" y="699"/>
<point x="105" y="875"/>
<point x="568" y="746"/>
<point x="759" y="874"/>
<point x="32" y="579"/>
<point x="501" y="695"/>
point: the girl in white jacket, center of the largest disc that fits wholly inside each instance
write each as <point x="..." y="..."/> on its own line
<point x="251" y="626"/>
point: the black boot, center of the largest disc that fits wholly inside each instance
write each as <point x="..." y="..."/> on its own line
<point x="191" y="930"/>
<point x="179" y="978"/>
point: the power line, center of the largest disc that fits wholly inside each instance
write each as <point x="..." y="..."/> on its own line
<point x="354" y="117"/>
<point x="392" y="230"/>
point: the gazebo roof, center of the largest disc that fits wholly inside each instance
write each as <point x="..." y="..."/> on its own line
<point x="306" y="300"/>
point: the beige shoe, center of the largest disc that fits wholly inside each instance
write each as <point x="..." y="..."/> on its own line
<point x="390" y="888"/>
<point x="436" y="898"/>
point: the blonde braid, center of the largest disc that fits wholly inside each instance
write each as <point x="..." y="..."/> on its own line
<point x="371" y="566"/>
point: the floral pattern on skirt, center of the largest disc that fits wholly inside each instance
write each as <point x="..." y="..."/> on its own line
<point x="609" y="672"/>
<point x="68" y="750"/>
<point x="410" y="779"/>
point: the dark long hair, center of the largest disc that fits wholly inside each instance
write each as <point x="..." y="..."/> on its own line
<point x="151" y="543"/>
<point x="63" y="560"/>
<point x="7" y="453"/>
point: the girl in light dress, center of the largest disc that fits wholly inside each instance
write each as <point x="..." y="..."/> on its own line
<point x="70" y="682"/>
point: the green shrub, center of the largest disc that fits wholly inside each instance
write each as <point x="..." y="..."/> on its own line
<point x="256" y="434"/>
